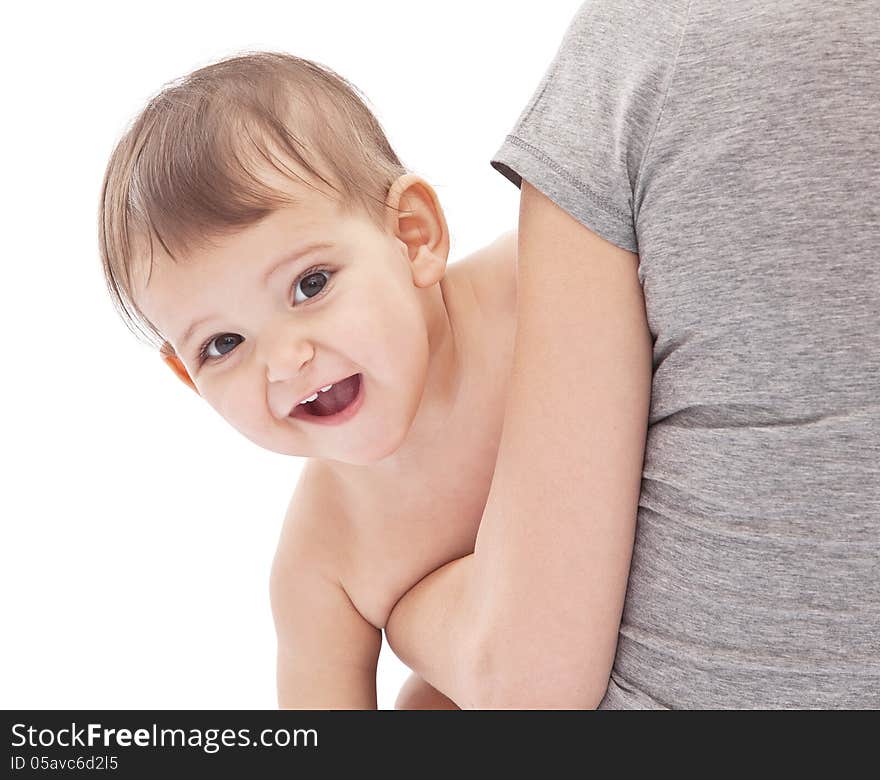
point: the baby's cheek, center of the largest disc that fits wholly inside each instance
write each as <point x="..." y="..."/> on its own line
<point x="233" y="403"/>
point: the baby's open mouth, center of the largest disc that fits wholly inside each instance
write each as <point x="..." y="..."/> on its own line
<point x="333" y="401"/>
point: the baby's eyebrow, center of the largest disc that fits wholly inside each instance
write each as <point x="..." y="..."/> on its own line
<point x="286" y="258"/>
<point x="190" y="330"/>
<point x="295" y="256"/>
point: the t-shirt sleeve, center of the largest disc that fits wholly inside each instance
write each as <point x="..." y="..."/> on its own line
<point x="585" y="135"/>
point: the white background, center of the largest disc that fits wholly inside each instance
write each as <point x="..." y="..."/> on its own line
<point x="137" y="527"/>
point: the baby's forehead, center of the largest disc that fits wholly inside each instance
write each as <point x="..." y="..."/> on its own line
<point x="310" y="215"/>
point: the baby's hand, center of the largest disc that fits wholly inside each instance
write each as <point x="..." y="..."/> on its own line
<point x="416" y="694"/>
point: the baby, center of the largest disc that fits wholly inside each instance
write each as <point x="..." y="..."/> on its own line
<point x="256" y="225"/>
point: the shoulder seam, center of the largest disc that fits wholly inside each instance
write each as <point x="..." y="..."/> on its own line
<point x="650" y="146"/>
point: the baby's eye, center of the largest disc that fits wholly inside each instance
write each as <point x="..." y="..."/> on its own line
<point x="312" y="283"/>
<point x="222" y="345"/>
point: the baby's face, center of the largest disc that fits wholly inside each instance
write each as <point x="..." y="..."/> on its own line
<point x="308" y="297"/>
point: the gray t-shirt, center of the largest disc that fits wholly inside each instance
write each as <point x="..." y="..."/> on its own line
<point x="735" y="147"/>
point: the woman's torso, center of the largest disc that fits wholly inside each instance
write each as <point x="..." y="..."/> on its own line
<point x="755" y="579"/>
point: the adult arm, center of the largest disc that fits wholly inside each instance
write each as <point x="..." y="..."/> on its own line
<point x="530" y="619"/>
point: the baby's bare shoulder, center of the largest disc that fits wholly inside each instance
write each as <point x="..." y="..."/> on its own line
<point x="506" y="243"/>
<point x="495" y="270"/>
<point x="314" y="534"/>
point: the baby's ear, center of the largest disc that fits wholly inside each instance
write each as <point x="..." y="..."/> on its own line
<point x="415" y="217"/>
<point x="174" y="363"/>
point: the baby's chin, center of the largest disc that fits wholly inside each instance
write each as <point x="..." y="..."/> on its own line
<point x="344" y="452"/>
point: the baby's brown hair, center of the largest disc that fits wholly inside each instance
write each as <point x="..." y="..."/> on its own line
<point x="185" y="170"/>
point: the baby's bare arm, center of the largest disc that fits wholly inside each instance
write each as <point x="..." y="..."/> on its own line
<point x="327" y="651"/>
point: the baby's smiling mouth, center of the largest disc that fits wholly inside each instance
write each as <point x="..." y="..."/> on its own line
<point x="330" y="402"/>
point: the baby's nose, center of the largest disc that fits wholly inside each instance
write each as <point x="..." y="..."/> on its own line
<point x="287" y="355"/>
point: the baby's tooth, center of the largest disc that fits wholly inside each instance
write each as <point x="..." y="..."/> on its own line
<point x="310" y="398"/>
<point x="325" y="389"/>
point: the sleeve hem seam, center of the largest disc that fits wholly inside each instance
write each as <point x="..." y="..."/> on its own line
<point x="600" y="201"/>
